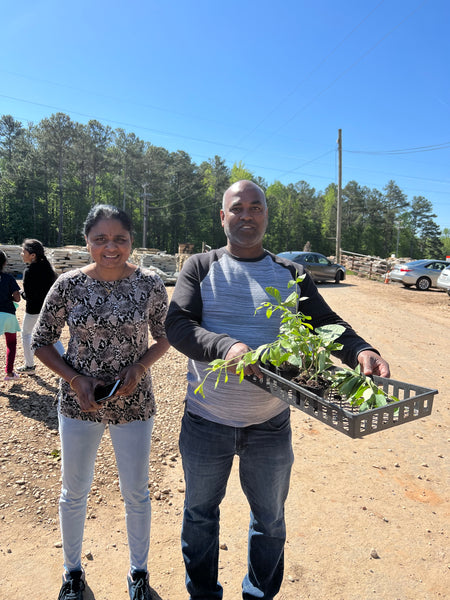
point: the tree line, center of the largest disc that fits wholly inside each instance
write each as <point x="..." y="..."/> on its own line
<point x="52" y="173"/>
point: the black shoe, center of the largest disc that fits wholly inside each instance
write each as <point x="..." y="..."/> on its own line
<point x="138" y="586"/>
<point x="73" y="586"/>
<point x="26" y="369"/>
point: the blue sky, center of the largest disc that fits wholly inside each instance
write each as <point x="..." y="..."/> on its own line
<point x="265" y="83"/>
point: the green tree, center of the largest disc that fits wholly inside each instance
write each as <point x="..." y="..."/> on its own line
<point x="294" y="217"/>
<point x="445" y="240"/>
<point x="127" y="164"/>
<point x="395" y="203"/>
<point x="425" y="228"/>
<point x="10" y="133"/>
<point x="329" y="217"/>
<point x="185" y="189"/>
<point x="215" y="178"/>
<point x="53" y="172"/>
<point x="56" y="135"/>
<point x="354" y="215"/>
<point x="239" y="172"/>
<point x="280" y="201"/>
<point x="155" y="183"/>
<point x="19" y="183"/>
<point x="99" y="140"/>
<point x="372" y="242"/>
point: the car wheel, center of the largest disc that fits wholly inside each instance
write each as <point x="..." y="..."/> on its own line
<point x="423" y="284"/>
<point x="338" y="277"/>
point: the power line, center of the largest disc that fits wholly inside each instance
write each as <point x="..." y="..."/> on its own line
<point x="109" y="97"/>
<point x="124" y="124"/>
<point x="344" y="72"/>
<point x="308" y="76"/>
<point x="308" y="162"/>
<point x="403" y="151"/>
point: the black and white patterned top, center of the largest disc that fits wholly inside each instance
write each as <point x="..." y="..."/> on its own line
<point x="109" y="324"/>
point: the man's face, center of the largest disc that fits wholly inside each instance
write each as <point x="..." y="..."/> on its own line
<point x="244" y="219"/>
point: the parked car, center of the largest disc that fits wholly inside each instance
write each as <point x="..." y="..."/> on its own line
<point x="317" y="265"/>
<point x="421" y="273"/>
<point x="443" y="281"/>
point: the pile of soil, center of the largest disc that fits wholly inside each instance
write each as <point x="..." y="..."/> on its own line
<point x="366" y="518"/>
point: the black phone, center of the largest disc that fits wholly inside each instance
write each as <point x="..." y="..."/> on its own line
<point x="105" y="392"/>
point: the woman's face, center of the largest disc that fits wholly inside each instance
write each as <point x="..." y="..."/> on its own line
<point x="109" y="243"/>
<point x="28" y="257"/>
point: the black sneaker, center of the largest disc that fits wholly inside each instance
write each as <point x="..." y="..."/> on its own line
<point x="25" y="369"/>
<point x="73" y="586"/>
<point x="138" y="586"/>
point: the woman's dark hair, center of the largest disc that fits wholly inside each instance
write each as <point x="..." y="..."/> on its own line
<point x="3" y="260"/>
<point x="34" y="247"/>
<point x="106" y="211"/>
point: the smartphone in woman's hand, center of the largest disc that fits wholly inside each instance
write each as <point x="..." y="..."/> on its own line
<point x="102" y="393"/>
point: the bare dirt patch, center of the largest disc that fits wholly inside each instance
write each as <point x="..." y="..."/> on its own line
<point x="385" y="495"/>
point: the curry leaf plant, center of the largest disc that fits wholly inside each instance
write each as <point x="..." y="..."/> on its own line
<point x="298" y="346"/>
<point x="360" y="389"/>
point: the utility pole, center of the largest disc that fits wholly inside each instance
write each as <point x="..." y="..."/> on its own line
<point x="339" y="200"/>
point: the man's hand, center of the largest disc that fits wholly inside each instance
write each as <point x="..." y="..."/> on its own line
<point x="372" y="364"/>
<point x="235" y="353"/>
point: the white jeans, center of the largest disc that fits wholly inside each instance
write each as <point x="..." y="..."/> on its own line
<point x="79" y="444"/>
<point x="29" y="321"/>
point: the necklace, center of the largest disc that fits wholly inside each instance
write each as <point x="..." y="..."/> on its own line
<point x="111" y="285"/>
<point x="107" y="287"/>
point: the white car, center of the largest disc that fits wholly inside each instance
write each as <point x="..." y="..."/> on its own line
<point x="443" y="280"/>
<point x="421" y="273"/>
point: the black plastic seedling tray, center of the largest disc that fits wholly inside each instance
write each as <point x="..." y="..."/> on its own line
<point x="414" y="403"/>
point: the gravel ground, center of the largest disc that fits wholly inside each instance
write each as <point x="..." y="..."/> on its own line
<point x="351" y="501"/>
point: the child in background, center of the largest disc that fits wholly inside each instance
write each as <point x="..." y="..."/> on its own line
<point x="9" y="325"/>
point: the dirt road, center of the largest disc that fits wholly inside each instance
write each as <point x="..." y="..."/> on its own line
<point x="384" y="495"/>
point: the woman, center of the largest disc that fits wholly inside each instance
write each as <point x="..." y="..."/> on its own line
<point x="38" y="277"/>
<point x="9" y="325"/>
<point x="109" y="306"/>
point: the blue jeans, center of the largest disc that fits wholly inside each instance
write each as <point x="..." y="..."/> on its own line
<point x="265" y="461"/>
<point x="79" y="444"/>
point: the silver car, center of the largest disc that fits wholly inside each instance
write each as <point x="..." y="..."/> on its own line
<point x="317" y="265"/>
<point x="443" y="281"/>
<point x="421" y="273"/>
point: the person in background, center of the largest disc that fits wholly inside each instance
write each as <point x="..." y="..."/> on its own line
<point x="212" y="316"/>
<point x="9" y="325"/>
<point x="38" y="277"/>
<point x="109" y="306"/>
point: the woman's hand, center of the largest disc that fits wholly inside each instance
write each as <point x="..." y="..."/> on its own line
<point x="84" y="387"/>
<point x="130" y="377"/>
<point x="132" y="374"/>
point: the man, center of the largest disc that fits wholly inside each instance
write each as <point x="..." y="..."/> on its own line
<point x="212" y="315"/>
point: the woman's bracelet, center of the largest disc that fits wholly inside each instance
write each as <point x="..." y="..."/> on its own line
<point x="73" y="379"/>
<point x="142" y="365"/>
